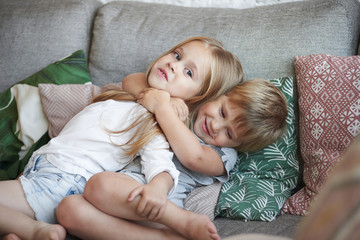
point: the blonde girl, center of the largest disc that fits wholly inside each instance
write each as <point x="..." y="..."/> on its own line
<point x="105" y="136"/>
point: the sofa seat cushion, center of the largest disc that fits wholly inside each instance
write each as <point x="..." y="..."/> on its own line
<point x="284" y="226"/>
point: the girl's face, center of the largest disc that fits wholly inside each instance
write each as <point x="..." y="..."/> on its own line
<point x="214" y="123"/>
<point x="182" y="72"/>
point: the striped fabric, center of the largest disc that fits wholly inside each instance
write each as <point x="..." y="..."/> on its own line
<point x="203" y="200"/>
<point x="62" y="102"/>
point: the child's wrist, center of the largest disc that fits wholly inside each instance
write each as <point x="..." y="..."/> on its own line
<point x="162" y="109"/>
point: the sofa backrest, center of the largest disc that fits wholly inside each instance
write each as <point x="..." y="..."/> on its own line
<point x="35" y="33"/>
<point x="127" y="36"/>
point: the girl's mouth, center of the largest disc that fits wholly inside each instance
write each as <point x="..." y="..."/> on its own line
<point x="162" y="74"/>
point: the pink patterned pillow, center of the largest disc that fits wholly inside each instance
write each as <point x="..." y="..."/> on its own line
<point x="329" y="108"/>
<point x="62" y="102"/>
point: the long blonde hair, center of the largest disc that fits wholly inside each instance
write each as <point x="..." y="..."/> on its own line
<point x="226" y="72"/>
<point x="145" y="123"/>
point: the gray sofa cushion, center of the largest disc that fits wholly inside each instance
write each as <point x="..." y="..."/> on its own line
<point x="129" y="35"/>
<point x="37" y="33"/>
<point x="284" y="225"/>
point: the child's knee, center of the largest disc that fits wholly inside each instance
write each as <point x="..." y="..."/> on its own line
<point x="69" y="210"/>
<point x="99" y="185"/>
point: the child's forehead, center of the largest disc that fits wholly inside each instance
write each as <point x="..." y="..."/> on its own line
<point x="196" y="47"/>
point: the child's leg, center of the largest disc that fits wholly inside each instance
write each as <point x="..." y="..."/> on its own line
<point x="102" y="191"/>
<point x="13" y="196"/>
<point x="85" y="221"/>
<point x="17" y="217"/>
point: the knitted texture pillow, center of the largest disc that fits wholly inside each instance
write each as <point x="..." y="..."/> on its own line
<point x="329" y="108"/>
<point x="62" y="102"/>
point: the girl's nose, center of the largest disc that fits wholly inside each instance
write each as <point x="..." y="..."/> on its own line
<point x="172" y="66"/>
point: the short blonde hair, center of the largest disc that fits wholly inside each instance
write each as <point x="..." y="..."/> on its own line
<point x="261" y="110"/>
<point x="226" y="72"/>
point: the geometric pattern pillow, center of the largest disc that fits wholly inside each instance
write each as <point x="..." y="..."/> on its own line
<point x="23" y="125"/>
<point x="62" y="102"/>
<point x="329" y="108"/>
<point x="335" y="213"/>
<point x="262" y="181"/>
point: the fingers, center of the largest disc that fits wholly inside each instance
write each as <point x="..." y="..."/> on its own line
<point x="150" y="211"/>
<point x="134" y="193"/>
<point x="180" y="108"/>
<point x="147" y="208"/>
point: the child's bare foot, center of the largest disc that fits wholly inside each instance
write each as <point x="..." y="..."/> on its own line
<point x="199" y="227"/>
<point x="49" y="232"/>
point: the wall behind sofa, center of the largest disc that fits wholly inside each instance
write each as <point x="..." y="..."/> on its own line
<point x="216" y="3"/>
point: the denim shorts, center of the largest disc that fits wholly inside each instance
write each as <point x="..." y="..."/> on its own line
<point x="45" y="186"/>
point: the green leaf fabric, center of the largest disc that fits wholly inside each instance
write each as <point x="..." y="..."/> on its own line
<point x="23" y="125"/>
<point x="262" y="181"/>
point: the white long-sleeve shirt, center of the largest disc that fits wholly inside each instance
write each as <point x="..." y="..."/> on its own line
<point x="85" y="146"/>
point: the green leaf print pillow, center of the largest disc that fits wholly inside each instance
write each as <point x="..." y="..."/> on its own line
<point x="23" y="124"/>
<point x="262" y="181"/>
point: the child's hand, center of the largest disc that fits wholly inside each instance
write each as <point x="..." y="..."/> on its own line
<point x="152" y="203"/>
<point x="180" y="108"/>
<point x="153" y="99"/>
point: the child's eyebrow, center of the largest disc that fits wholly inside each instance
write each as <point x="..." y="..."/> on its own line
<point x="180" y="49"/>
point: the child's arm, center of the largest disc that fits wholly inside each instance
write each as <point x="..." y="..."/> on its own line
<point x="190" y="152"/>
<point x="134" y="83"/>
<point x="153" y="196"/>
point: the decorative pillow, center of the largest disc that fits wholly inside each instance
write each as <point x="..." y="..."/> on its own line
<point x="329" y="108"/>
<point x="262" y="181"/>
<point x="202" y="200"/>
<point x="62" y="102"/>
<point x="23" y="125"/>
<point x="335" y="213"/>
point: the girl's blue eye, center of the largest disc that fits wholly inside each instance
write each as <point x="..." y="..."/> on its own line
<point x="177" y="56"/>
<point x="188" y="72"/>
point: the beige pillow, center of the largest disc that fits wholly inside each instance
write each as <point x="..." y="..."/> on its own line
<point x="62" y="102"/>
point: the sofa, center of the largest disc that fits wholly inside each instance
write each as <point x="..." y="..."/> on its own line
<point x="122" y="37"/>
